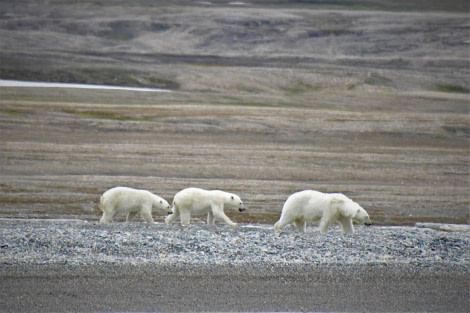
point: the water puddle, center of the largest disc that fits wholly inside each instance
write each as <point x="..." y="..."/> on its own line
<point x="17" y="83"/>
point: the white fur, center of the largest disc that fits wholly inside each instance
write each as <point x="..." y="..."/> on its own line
<point x="124" y="200"/>
<point x="200" y="201"/>
<point x="311" y="206"/>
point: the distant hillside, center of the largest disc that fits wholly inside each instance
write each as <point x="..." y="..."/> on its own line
<point x="133" y="43"/>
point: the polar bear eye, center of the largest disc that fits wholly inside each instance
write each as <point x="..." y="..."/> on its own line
<point x="161" y="201"/>
<point x="232" y="197"/>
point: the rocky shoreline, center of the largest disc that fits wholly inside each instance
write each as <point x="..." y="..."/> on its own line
<point x="75" y="265"/>
<point x="76" y="243"/>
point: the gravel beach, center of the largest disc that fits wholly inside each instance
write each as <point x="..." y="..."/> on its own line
<point x="106" y="267"/>
<point x="36" y="243"/>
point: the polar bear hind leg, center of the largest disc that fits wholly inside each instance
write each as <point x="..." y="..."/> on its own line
<point x="300" y="224"/>
<point x="107" y="217"/>
<point x="283" y="221"/>
<point x="108" y="211"/>
<point x="185" y="218"/>
<point x="131" y="216"/>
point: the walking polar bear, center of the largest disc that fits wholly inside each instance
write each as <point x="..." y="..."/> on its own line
<point x="311" y="206"/>
<point x="124" y="200"/>
<point x="200" y="201"/>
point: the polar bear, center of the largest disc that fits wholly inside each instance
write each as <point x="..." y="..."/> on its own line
<point x="310" y="205"/>
<point x="200" y="201"/>
<point x="124" y="200"/>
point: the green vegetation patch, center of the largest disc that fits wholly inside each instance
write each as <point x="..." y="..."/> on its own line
<point x="452" y="88"/>
<point x="301" y="88"/>
<point x="12" y="112"/>
<point x="108" y="115"/>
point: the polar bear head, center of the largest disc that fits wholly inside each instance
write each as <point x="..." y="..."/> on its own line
<point x="234" y="201"/>
<point x="161" y="204"/>
<point x="349" y="208"/>
<point x="360" y="215"/>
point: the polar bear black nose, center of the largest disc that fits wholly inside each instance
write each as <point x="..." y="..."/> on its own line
<point x="241" y="209"/>
<point x="368" y="224"/>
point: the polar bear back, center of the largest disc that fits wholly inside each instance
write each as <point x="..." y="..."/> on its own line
<point x="200" y="201"/>
<point x="125" y="200"/>
<point x="193" y="199"/>
<point x="310" y="204"/>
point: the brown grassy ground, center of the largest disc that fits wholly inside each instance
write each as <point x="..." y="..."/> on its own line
<point x="58" y="157"/>
<point x="268" y="100"/>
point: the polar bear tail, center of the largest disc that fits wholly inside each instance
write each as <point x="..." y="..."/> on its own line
<point x="100" y="205"/>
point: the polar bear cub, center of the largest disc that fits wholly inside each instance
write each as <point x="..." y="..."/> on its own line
<point x="200" y="201"/>
<point x="311" y="206"/>
<point x="124" y="200"/>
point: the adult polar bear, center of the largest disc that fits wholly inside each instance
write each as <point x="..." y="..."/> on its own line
<point x="311" y="205"/>
<point x="125" y="200"/>
<point x="200" y="201"/>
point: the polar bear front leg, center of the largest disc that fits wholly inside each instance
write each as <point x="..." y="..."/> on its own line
<point x="219" y="214"/>
<point x="146" y="213"/>
<point x="324" y="224"/>
<point x="346" y="225"/>
<point x="210" y="218"/>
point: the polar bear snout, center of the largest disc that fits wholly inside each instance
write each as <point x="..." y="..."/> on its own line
<point x="367" y="221"/>
<point x="241" y="209"/>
